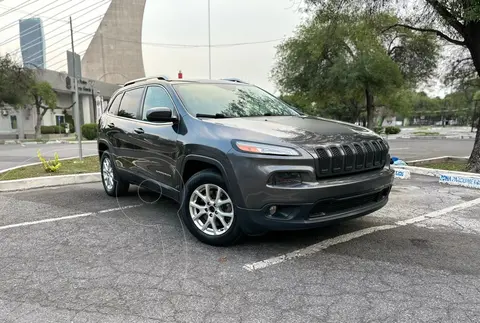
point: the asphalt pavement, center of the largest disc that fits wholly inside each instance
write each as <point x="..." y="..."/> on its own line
<point x="406" y="149"/>
<point x="17" y="155"/>
<point x="73" y="254"/>
<point x="413" y="149"/>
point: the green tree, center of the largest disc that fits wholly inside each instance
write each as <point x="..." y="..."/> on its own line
<point x="456" y="22"/>
<point x="44" y="99"/>
<point x="334" y="60"/>
<point x="15" y="82"/>
<point x="399" y="103"/>
<point x="297" y="101"/>
<point x="348" y="61"/>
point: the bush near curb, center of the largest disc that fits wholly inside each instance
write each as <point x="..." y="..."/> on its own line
<point x="89" y="131"/>
<point x="391" y="130"/>
<point x="378" y="130"/>
<point x="50" y="130"/>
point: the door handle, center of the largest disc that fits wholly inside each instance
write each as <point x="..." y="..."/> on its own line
<point x="111" y="125"/>
<point x="139" y="130"/>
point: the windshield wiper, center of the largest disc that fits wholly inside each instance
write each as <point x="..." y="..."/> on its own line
<point x="269" y="114"/>
<point x="216" y="115"/>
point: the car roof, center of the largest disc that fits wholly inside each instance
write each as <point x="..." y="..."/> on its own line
<point x="163" y="79"/>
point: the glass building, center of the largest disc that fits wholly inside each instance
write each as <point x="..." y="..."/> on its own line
<point x="32" y="42"/>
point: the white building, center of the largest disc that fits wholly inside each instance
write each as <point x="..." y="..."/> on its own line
<point x="20" y="124"/>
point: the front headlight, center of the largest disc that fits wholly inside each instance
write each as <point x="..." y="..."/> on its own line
<point x="256" y="148"/>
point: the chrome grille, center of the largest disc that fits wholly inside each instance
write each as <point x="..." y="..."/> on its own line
<point x="335" y="160"/>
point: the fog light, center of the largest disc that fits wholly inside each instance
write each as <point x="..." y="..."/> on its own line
<point x="272" y="210"/>
<point x="286" y="178"/>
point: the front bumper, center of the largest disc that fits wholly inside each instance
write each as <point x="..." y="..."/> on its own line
<point x="329" y="201"/>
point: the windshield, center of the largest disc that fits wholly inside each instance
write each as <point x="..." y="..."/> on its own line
<point x="230" y="100"/>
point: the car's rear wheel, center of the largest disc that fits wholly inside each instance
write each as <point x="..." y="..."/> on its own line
<point x="208" y="210"/>
<point x="112" y="183"/>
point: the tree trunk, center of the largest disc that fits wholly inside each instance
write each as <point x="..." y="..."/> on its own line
<point x="370" y="112"/>
<point x="472" y="40"/>
<point x="474" y="160"/>
<point x="38" y="124"/>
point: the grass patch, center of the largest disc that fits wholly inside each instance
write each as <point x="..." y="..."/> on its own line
<point x="69" y="167"/>
<point x="426" y="133"/>
<point x="453" y="166"/>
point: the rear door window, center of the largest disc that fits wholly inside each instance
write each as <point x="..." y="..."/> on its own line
<point x="130" y="104"/>
<point x="113" y="109"/>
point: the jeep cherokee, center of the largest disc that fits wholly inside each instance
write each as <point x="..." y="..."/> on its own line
<point x="238" y="160"/>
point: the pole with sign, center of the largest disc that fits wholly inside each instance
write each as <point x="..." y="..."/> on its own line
<point x="76" y="106"/>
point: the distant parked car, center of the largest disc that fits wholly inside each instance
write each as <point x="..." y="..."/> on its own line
<point x="238" y="160"/>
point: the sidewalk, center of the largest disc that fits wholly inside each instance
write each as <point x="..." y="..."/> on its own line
<point x="434" y="133"/>
<point x="43" y="142"/>
<point x="436" y="137"/>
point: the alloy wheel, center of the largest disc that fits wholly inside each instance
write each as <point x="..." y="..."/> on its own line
<point x="211" y="209"/>
<point x="107" y="172"/>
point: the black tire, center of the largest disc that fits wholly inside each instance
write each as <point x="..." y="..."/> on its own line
<point x="233" y="234"/>
<point x="120" y="187"/>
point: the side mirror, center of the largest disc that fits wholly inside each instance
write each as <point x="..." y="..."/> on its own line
<point x="160" y="114"/>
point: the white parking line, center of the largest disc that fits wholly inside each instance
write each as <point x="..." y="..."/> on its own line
<point x="69" y="217"/>
<point x="353" y="235"/>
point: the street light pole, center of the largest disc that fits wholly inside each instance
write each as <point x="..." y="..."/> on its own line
<point x="76" y="106"/>
<point x="209" y="46"/>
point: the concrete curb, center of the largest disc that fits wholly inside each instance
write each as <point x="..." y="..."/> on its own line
<point x="2" y="171"/>
<point x="464" y="179"/>
<point x="402" y="174"/>
<point x="441" y="159"/>
<point x="431" y="137"/>
<point x="46" y="142"/>
<point x="48" y="181"/>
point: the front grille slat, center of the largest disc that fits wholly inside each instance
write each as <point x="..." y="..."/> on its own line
<point x="323" y="161"/>
<point x="384" y="151"/>
<point x="337" y="159"/>
<point x="377" y="154"/>
<point x="360" y="162"/>
<point x="370" y="155"/>
<point x="348" y="158"/>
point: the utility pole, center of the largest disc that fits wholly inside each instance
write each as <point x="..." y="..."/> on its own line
<point x="209" y="46"/>
<point x="76" y="106"/>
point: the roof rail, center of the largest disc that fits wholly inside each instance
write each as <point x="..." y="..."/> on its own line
<point x="234" y="80"/>
<point x="159" y="77"/>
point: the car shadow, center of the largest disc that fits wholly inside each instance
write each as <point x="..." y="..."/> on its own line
<point x="277" y="241"/>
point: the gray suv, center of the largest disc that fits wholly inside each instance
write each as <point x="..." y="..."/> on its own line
<point x="238" y="160"/>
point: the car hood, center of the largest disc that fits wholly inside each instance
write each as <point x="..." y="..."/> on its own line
<point x="307" y="132"/>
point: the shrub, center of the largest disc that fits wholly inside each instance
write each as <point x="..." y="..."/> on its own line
<point x="48" y="130"/>
<point x="378" y="130"/>
<point x="89" y="131"/>
<point x="50" y="166"/>
<point x="392" y="130"/>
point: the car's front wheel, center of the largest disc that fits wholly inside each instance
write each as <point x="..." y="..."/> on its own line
<point x="208" y="210"/>
<point x="112" y="183"/>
